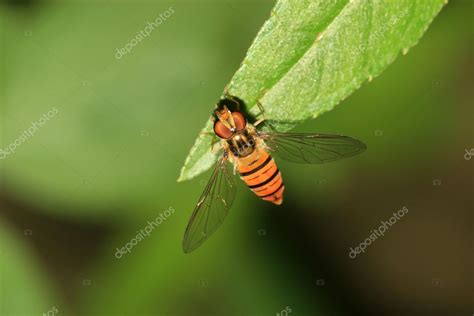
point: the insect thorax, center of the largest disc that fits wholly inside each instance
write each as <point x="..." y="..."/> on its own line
<point x="241" y="144"/>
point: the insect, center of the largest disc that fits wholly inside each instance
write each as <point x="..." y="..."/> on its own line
<point x="248" y="150"/>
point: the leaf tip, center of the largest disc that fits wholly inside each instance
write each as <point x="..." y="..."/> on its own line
<point x="182" y="176"/>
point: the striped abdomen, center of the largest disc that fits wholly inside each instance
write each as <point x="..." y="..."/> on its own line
<point x="259" y="171"/>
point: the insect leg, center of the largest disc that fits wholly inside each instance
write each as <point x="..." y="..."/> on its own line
<point x="261" y="108"/>
<point x="213" y="145"/>
<point x="206" y="134"/>
<point x="262" y="113"/>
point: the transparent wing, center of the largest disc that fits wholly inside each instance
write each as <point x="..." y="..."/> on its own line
<point x="212" y="207"/>
<point x="312" y="148"/>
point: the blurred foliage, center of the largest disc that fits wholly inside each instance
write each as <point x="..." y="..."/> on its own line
<point x="113" y="152"/>
<point x="24" y="288"/>
<point x="312" y="54"/>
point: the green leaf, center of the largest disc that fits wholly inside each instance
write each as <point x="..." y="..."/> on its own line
<point x="311" y="54"/>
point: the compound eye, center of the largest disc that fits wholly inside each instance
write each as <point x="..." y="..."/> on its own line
<point x="222" y="131"/>
<point x="239" y="120"/>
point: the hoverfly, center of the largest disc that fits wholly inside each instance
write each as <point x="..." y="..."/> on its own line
<point x="248" y="149"/>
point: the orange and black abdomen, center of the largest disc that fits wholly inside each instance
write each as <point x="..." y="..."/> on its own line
<point x="259" y="171"/>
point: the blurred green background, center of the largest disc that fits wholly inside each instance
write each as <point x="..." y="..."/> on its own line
<point x="108" y="161"/>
